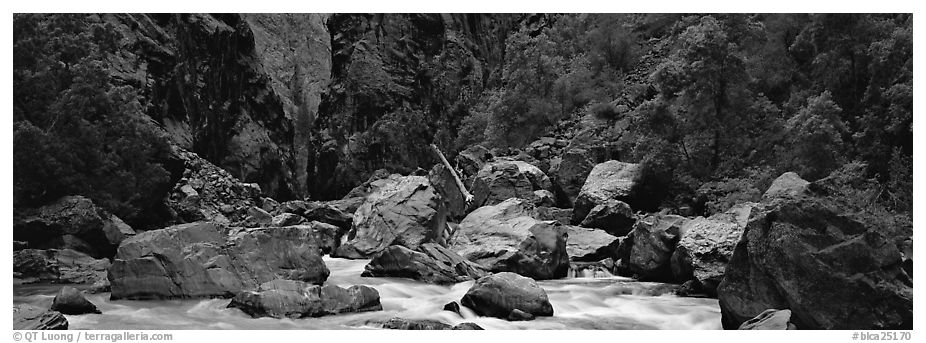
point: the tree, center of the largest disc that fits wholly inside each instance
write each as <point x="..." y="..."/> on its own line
<point x="814" y="144"/>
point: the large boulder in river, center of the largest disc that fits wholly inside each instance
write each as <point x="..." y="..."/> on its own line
<point x="611" y="180"/>
<point x="589" y="245"/>
<point x="647" y="250"/>
<point x="407" y="212"/>
<point x="613" y="216"/>
<point x="498" y="295"/>
<point x="296" y="299"/>
<point x="568" y="173"/>
<point x="506" y="238"/>
<point x="70" y="301"/>
<point x="502" y="179"/>
<point x="28" y="317"/>
<point x="834" y="265"/>
<point x="706" y="246"/>
<point x="58" y="266"/>
<point x="71" y="222"/>
<point x="432" y="264"/>
<point x="207" y="260"/>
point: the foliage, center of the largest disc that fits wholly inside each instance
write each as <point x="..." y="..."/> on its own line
<point x="74" y="131"/>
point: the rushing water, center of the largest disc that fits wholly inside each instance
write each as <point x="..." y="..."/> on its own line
<point x="578" y="303"/>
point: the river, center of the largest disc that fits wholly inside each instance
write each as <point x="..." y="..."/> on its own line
<point x="604" y="302"/>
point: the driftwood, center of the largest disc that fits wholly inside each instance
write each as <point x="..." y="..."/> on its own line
<point x="456" y="177"/>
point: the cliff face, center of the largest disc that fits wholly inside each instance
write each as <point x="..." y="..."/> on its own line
<point x="297" y="102"/>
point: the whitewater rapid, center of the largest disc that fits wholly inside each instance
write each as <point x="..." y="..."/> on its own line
<point x="578" y="303"/>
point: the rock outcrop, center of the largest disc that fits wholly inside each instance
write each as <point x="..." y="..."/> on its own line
<point x="833" y="266"/>
<point x="207" y="260"/>
<point x="408" y="212"/>
<point x="613" y="216"/>
<point x="501" y="179"/>
<point x="706" y="246"/>
<point x="71" y="222"/>
<point x="28" y="317"/>
<point x="70" y="301"/>
<point x="506" y="238"/>
<point x="589" y="245"/>
<point x="58" y="266"/>
<point x="647" y="250"/>
<point x="611" y="180"/>
<point x="498" y="295"/>
<point x="568" y="173"/>
<point x="770" y="320"/>
<point x="432" y="264"/>
<point x="206" y="192"/>
<point x="296" y="299"/>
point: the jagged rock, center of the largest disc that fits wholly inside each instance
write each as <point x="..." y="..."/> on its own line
<point x="471" y="160"/>
<point x="588" y="245"/>
<point x="28" y="317"/>
<point x="70" y="301"/>
<point x="543" y="197"/>
<point x="206" y="260"/>
<point x="71" y="222"/>
<point x="408" y="212"/>
<point x="834" y="266"/>
<point x="257" y="217"/>
<point x="648" y="249"/>
<point x="269" y="205"/>
<point x="432" y="264"/>
<point x="501" y="179"/>
<point x="787" y="185"/>
<point x="327" y="236"/>
<point x="287" y="219"/>
<point x="499" y="294"/>
<point x="706" y="246"/>
<point x="562" y="215"/>
<point x="295" y="299"/>
<point x="594" y="269"/>
<point x="505" y="237"/>
<point x="613" y="216"/>
<point x="569" y="172"/>
<point x="209" y="193"/>
<point x="611" y="180"/>
<point x="445" y="184"/>
<point x="58" y="266"/>
<point x="770" y="320"/>
<point x="336" y="212"/>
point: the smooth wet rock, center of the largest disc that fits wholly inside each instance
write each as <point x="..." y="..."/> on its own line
<point x="647" y="250"/>
<point x="505" y="238"/>
<point x="207" y="260"/>
<point x="706" y="246"/>
<point x="499" y="294"/>
<point x="587" y="245"/>
<point x="611" y="180"/>
<point x="518" y="315"/>
<point x="452" y="306"/>
<point x="432" y="264"/>
<point x="28" y="317"/>
<point x="770" y="320"/>
<point x="613" y="216"/>
<point x="832" y="265"/>
<point x="501" y="179"/>
<point x="787" y="185"/>
<point x="407" y="212"/>
<point x="70" y="301"/>
<point x="295" y="299"/>
<point x="58" y="266"/>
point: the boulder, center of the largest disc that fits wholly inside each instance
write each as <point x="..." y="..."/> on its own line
<point x="256" y="216"/>
<point x="770" y="320"/>
<point x="207" y="260"/>
<point x="498" y="295"/>
<point x="408" y="212"/>
<point x="505" y="238"/>
<point x="287" y="219"/>
<point x="706" y="246"/>
<point x="518" y="315"/>
<point x="568" y="173"/>
<point x="502" y="179"/>
<point x="432" y="264"/>
<point x="471" y="160"/>
<point x="71" y="222"/>
<point x="562" y="215"/>
<point x="295" y="299"/>
<point x="28" y="317"/>
<point x="58" y="266"/>
<point x="336" y="212"/>
<point x="446" y="185"/>
<point x="611" y="180"/>
<point x="589" y="245"/>
<point x="613" y="216"/>
<point x="647" y="251"/>
<point x="833" y="265"/>
<point x="70" y="301"/>
<point x="206" y="192"/>
<point x="327" y="236"/>
<point x="787" y="185"/>
<point x="377" y="180"/>
<point x="543" y="197"/>
<point x="452" y="306"/>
